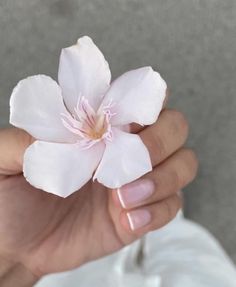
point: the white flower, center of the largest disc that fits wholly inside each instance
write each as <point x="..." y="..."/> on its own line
<point x="78" y="125"/>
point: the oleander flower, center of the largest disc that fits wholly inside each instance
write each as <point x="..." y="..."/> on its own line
<point x="79" y="124"/>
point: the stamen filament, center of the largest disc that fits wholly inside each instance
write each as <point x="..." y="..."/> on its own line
<point x="90" y="126"/>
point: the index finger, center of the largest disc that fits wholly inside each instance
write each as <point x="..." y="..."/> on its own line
<point x="13" y="143"/>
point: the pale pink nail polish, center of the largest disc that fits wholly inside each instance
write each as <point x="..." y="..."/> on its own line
<point x="138" y="218"/>
<point x="134" y="193"/>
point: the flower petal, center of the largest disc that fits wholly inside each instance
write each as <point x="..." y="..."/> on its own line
<point x="35" y="106"/>
<point x="138" y="96"/>
<point x="83" y="71"/>
<point x="125" y="159"/>
<point x="60" y="169"/>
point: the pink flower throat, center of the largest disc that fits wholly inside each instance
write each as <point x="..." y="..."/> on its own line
<point x="90" y="126"/>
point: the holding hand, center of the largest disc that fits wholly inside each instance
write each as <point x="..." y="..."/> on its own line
<point x="49" y="234"/>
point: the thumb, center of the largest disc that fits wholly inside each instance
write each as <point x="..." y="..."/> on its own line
<point x="13" y="143"/>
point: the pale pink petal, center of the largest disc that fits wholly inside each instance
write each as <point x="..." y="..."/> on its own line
<point x="138" y="97"/>
<point x="125" y="159"/>
<point x="83" y="71"/>
<point x="60" y="169"/>
<point x="36" y="105"/>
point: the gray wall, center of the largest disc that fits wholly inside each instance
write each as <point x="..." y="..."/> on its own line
<point x="192" y="43"/>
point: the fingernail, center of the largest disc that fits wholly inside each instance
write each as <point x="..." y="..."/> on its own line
<point x="138" y="218"/>
<point x="133" y="193"/>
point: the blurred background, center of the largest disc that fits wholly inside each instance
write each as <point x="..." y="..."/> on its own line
<point x="193" y="45"/>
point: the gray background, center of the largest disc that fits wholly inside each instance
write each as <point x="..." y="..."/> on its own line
<point x="191" y="42"/>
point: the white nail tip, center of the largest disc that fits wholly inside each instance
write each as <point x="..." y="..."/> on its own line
<point x="138" y="218"/>
<point x="130" y="221"/>
<point x="120" y="198"/>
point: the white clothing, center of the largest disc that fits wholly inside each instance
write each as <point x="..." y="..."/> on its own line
<point x="181" y="254"/>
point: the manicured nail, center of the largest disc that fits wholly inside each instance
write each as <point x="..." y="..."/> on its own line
<point x="138" y="218"/>
<point x="134" y="193"/>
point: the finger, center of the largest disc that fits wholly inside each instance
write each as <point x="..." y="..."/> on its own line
<point x="150" y="217"/>
<point x="135" y="128"/>
<point x="166" y="136"/>
<point x="13" y="143"/>
<point x="166" y="98"/>
<point x="164" y="181"/>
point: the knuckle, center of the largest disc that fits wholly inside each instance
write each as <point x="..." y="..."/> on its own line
<point x="192" y="161"/>
<point x="168" y="210"/>
<point x="174" y="179"/>
<point x="158" y="146"/>
<point x="184" y="170"/>
<point x="172" y="206"/>
<point x="190" y="165"/>
<point x="181" y="122"/>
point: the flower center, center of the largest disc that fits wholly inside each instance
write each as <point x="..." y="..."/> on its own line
<point x="97" y="130"/>
<point x="90" y="126"/>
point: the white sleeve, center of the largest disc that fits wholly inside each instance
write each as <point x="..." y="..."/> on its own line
<point x="181" y="254"/>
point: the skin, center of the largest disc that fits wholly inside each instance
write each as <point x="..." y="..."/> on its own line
<point x="41" y="233"/>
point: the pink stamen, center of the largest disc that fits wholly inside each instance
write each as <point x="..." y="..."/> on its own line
<point x="90" y="126"/>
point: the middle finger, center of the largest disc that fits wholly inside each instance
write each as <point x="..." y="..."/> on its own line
<point x="166" y="136"/>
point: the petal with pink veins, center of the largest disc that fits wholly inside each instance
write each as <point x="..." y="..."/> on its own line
<point x="138" y="97"/>
<point x="60" y="169"/>
<point x="83" y="71"/>
<point x="36" y="105"/>
<point x="125" y="159"/>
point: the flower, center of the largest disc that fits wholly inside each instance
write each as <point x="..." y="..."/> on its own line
<point x="79" y="124"/>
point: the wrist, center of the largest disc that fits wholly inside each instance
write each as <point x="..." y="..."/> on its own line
<point x="15" y="274"/>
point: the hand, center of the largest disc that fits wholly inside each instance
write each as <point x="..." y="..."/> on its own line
<point x="49" y="234"/>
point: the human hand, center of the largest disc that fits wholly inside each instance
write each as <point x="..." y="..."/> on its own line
<point x="49" y="234"/>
